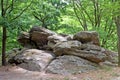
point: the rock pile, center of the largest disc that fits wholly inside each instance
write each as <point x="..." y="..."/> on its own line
<point x="60" y="54"/>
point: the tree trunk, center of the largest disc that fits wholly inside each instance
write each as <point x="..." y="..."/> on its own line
<point x="5" y="8"/>
<point x="117" y="22"/>
<point x="44" y="25"/>
<point x="4" y="37"/>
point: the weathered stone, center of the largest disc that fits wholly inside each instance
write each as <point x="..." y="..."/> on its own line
<point x="52" y="40"/>
<point x="25" y="41"/>
<point x="41" y="29"/>
<point x="89" y="47"/>
<point x="87" y="37"/>
<point x="77" y="53"/>
<point x="90" y="52"/>
<point x="12" y="53"/>
<point x="113" y="56"/>
<point x="93" y="56"/>
<point x="39" y="36"/>
<point x="62" y="47"/>
<point x="57" y="38"/>
<point x="33" y="59"/>
<point x="40" y="39"/>
<point x="107" y="63"/>
<point x="68" y="37"/>
<point x="67" y="65"/>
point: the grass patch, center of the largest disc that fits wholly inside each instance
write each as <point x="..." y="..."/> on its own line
<point x="107" y="68"/>
<point x="115" y="74"/>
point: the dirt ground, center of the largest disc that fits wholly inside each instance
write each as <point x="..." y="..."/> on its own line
<point x="17" y="73"/>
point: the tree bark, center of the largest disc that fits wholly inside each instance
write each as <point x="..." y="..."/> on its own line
<point x="3" y="36"/>
<point x="4" y="46"/>
<point x="117" y="22"/>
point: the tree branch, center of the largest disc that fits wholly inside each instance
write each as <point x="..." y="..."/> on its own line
<point x="9" y="6"/>
<point x="77" y="14"/>
<point x="37" y="17"/>
<point x="2" y="8"/>
<point x="86" y="13"/>
<point x="12" y="4"/>
<point x="22" y="11"/>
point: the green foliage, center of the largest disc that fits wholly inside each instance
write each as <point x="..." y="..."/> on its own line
<point x="98" y="15"/>
<point x="47" y="14"/>
<point x="69" y="25"/>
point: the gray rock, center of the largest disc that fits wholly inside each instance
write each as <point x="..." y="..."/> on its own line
<point x="67" y="65"/>
<point x="113" y="56"/>
<point x="91" y="37"/>
<point x="33" y="59"/>
<point x="12" y="53"/>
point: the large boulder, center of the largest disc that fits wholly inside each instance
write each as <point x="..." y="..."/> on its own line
<point x="61" y="48"/>
<point x="33" y="59"/>
<point x="90" y="52"/>
<point x="91" y="37"/>
<point x="39" y="36"/>
<point x="67" y="65"/>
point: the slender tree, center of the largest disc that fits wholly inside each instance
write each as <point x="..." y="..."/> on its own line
<point x="117" y="22"/>
<point x="4" y="35"/>
<point x="7" y="9"/>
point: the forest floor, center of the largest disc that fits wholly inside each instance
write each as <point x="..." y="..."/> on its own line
<point x="17" y="73"/>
